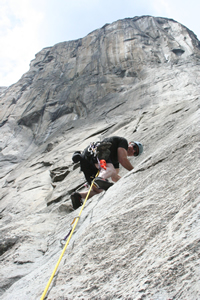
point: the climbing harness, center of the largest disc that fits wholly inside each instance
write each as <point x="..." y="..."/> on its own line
<point x="68" y="237"/>
<point x="100" y="151"/>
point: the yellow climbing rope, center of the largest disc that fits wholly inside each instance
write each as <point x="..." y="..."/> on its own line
<point x="76" y="221"/>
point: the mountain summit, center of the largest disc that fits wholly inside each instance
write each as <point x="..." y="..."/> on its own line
<point x="138" y="78"/>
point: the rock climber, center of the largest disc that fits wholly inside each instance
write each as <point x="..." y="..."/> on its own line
<point x="114" y="151"/>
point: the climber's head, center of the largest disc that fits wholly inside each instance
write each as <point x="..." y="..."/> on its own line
<point x="135" y="149"/>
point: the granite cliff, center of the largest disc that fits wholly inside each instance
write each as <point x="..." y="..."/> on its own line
<point x="138" y="78"/>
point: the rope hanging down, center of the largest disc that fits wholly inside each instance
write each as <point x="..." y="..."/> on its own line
<point x="76" y="221"/>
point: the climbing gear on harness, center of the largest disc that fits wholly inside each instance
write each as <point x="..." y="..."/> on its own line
<point x="102" y="163"/>
<point x="100" y="150"/>
<point x="103" y="184"/>
<point x="138" y="147"/>
<point x="70" y="235"/>
<point x="76" y="200"/>
<point x="92" y="149"/>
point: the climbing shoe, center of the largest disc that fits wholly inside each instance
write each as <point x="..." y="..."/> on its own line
<point x="76" y="200"/>
<point x="101" y="183"/>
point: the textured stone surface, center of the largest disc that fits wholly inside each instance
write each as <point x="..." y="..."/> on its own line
<point x="138" y="78"/>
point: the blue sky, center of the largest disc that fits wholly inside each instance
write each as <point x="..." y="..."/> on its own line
<point x="28" y="26"/>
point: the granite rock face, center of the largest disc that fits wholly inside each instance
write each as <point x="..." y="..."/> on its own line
<point x="138" y="78"/>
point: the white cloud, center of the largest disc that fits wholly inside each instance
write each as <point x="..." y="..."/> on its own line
<point x="162" y="8"/>
<point x="18" y="38"/>
<point x="182" y="11"/>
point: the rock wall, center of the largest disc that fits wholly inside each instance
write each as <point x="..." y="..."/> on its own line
<point x="138" y="78"/>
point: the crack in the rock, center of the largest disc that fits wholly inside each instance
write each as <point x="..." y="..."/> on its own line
<point x="150" y="166"/>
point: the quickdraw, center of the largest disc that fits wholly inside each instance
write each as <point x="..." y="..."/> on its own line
<point x="62" y="242"/>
